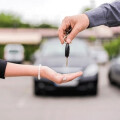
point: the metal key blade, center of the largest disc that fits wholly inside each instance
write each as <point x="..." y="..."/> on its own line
<point x="66" y="61"/>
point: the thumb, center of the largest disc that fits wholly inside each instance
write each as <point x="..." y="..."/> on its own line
<point x="73" y="34"/>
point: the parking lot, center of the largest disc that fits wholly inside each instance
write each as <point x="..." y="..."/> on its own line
<point x="17" y="102"/>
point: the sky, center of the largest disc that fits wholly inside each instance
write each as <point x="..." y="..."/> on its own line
<point x="52" y="11"/>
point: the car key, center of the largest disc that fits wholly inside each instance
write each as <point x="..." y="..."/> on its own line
<point x="67" y="47"/>
<point x="67" y="52"/>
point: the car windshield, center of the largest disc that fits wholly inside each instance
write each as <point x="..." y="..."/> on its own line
<point x="77" y="48"/>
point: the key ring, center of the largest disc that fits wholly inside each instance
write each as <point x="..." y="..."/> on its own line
<point x="65" y="38"/>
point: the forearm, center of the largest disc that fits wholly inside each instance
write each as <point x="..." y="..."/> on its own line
<point x="12" y="70"/>
<point x="20" y="70"/>
<point x="106" y="14"/>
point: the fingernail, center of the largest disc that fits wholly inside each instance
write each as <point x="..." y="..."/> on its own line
<point x="68" y="40"/>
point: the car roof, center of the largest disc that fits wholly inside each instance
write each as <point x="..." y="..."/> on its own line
<point x="14" y="46"/>
<point x="57" y="41"/>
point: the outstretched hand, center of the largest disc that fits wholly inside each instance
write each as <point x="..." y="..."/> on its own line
<point x="77" y="23"/>
<point x="58" y="78"/>
<point x="13" y="70"/>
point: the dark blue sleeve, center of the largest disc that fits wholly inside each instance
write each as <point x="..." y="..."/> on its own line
<point x="3" y="65"/>
<point x="106" y="14"/>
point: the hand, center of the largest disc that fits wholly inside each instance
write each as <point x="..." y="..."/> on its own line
<point x="50" y="74"/>
<point x="13" y="70"/>
<point x="77" y="23"/>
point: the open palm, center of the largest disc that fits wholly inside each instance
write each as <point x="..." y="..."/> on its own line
<point x="57" y="77"/>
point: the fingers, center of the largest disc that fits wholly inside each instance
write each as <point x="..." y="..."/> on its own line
<point x="77" y="23"/>
<point x="61" y="31"/>
<point x="61" y="36"/>
<point x="72" y="76"/>
<point x="66" y="24"/>
<point x="73" y="34"/>
<point x="63" y="78"/>
<point x="59" y="78"/>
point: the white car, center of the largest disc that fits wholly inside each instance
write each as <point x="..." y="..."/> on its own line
<point x="14" y="53"/>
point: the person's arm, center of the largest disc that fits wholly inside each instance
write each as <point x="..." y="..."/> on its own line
<point x="11" y="70"/>
<point x="106" y="14"/>
<point x="3" y="65"/>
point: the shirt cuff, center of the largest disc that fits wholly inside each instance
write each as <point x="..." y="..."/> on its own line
<point x="96" y="17"/>
<point x="3" y="65"/>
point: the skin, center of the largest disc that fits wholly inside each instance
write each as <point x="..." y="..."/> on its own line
<point x="78" y="23"/>
<point x="45" y="72"/>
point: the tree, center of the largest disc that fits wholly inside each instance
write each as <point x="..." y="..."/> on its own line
<point x="11" y="20"/>
<point x="91" y="6"/>
<point x="86" y="9"/>
<point x="46" y="25"/>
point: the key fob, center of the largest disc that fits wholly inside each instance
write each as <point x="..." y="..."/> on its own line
<point x="67" y="50"/>
<point x="67" y="47"/>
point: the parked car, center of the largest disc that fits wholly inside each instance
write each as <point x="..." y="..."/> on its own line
<point x="14" y="53"/>
<point x="114" y="71"/>
<point x="52" y="54"/>
<point x="100" y="55"/>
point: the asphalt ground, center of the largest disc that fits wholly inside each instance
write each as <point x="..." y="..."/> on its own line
<point x="17" y="102"/>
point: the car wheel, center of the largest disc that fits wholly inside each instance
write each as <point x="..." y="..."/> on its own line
<point x="111" y="81"/>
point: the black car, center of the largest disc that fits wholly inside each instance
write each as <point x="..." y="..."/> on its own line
<point x="52" y="54"/>
<point x="114" y="71"/>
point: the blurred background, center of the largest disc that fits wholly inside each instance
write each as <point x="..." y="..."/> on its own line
<point x="28" y="35"/>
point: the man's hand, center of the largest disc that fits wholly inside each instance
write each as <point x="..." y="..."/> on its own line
<point x="77" y="23"/>
<point x="50" y="74"/>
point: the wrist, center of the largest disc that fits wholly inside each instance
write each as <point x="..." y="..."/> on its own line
<point x="42" y="69"/>
<point x="86" y="20"/>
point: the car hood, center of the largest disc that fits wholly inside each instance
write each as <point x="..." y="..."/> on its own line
<point x="58" y="62"/>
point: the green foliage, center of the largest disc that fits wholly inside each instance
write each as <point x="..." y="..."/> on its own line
<point x="92" y="39"/>
<point x="29" y="50"/>
<point x="113" y="48"/>
<point x="86" y="9"/>
<point x="45" y="25"/>
<point x="2" y="51"/>
<point x="8" y="20"/>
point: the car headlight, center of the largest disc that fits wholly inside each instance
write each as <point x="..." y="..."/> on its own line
<point x="91" y="70"/>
